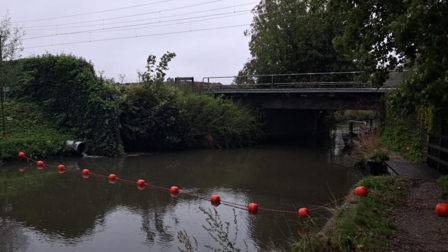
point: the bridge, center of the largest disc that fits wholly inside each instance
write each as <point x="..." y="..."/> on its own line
<point x="295" y="103"/>
<point x="311" y="91"/>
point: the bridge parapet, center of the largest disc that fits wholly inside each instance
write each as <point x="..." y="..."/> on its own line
<point x="328" y="80"/>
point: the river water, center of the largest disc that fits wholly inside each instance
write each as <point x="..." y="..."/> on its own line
<point x="42" y="210"/>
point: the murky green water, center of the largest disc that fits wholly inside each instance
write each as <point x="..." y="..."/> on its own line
<point x="42" y="210"/>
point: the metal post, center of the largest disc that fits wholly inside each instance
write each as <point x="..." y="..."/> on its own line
<point x="350" y="130"/>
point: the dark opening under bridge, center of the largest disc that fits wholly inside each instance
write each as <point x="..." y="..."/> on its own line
<point x="296" y="103"/>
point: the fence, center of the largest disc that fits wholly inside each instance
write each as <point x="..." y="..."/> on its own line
<point x="437" y="155"/>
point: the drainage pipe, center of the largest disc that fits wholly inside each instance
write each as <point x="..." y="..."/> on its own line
<point x="77" y="146"/>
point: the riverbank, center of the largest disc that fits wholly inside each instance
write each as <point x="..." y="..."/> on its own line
<point x="375" y="224"/>
<point x="114" y="119"/>
<point x="32" y="133"/>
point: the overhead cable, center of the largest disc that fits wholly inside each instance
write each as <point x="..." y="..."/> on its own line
<point x="132" y="26"/>
<point x="89" y="13"/>
<point x="136" y="36"/>
<point x="60" y="26"/>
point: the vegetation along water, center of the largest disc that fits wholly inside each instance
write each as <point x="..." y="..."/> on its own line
<point x="208" y="144"/>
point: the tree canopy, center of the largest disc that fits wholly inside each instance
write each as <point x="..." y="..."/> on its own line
<point x="286" y="38"/>
<point x="10" y="48"/>
<point x="396" y="35"/>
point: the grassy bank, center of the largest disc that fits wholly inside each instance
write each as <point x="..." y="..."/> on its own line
<point x="32" y="133"/>
<point x="362" y="224"/>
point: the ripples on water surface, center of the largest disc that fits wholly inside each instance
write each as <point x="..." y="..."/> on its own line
<point x="48" y="211"/>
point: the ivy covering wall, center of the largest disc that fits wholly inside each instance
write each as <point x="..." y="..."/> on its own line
<point x="74" y="98"/>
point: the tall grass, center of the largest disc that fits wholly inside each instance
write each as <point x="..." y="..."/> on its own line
<point x="368" y="146"/>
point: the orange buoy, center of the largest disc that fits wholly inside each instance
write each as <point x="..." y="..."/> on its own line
<point x="303" y="212"/>
<point x="21" y="169"/>
<point x="40" y="163"/>
<point x="85" y="173"/>
<point x="61" y="167"/>
<point x="361" y="191"/>
<point x="141" y="182"/>
<point x="442" y="210"/>
<point x="21" y="154"/>
<point x="112" y="178"/>
<point x="174" y="189"/>
<point x="141" y="187"/>
<point x="174" y="195"/>
<point x="215" y="199"/>
<point x="253" y="207"/>
<point x="61" y="171"/>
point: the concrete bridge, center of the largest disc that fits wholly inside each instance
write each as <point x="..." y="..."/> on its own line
<point x="298" y="106"/>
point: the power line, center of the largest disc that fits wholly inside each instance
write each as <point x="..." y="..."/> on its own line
<point x="129" y="37"/>
<point x="35" y="28"/>
<point x="117" y="27"/>
<point x="127" y="16"/>
<point x="146" y="27"/>
<point x="89" y="13"/>
<point x="188" y="22"/>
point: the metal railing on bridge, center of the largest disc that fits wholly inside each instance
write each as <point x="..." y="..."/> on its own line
<point x="300" y="80"/>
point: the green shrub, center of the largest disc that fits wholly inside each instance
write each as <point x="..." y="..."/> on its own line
<point x="162" y="116"/>
<point x="229" y="123"/>
<point x="74" y="98"/>
<point x="32" y="133"/>
<point x="150" y="118"/>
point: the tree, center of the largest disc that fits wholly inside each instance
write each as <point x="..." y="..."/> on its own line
<point x="121" y="77"/>
<point x="156" y="74"/>
<point x="285" y="38"/>
<point x="10" y="49"/>
<point x="396" y="35"/>
<point x="139" y="74"/>
<point x="149" y="114"/>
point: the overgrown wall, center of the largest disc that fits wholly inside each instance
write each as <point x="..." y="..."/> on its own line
<point x="73" y="97"/>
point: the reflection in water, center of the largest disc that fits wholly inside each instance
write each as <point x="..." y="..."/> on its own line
<point x="48" y="211"/>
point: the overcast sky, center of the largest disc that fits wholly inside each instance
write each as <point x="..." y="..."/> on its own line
<point x="212" y="52"/>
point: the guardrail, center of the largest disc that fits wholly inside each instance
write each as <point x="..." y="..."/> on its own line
<point x="300" y="80"/>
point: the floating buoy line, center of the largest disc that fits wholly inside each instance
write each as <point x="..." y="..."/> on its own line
<point x="441" y="209"/>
